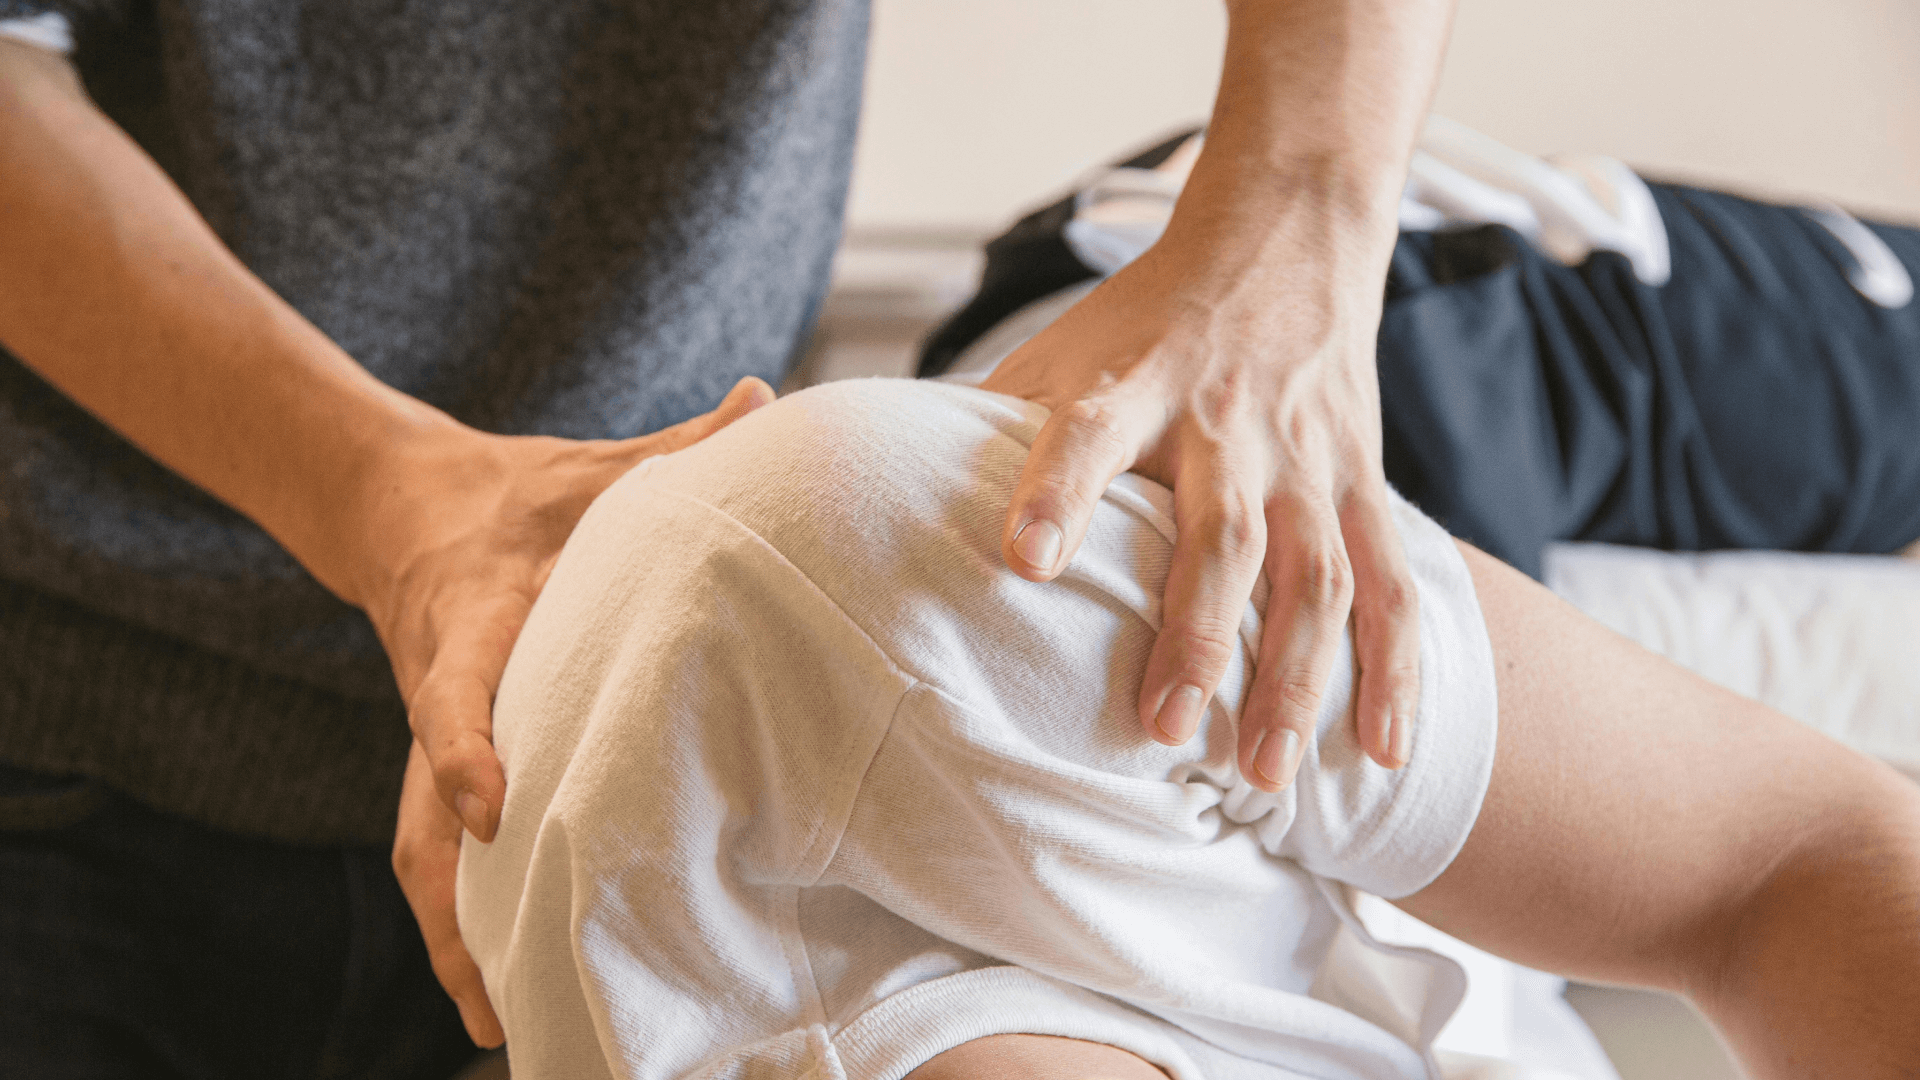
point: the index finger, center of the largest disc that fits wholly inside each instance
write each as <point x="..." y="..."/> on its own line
<point x="426" y="859"/>
<point x="1080" y="449"/>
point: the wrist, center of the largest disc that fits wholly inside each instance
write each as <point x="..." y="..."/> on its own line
<point x="352" y="525"/>
<point x="1313" y="268"/>
<point x="1332" y="219"/>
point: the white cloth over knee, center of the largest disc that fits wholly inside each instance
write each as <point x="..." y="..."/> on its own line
<point x="803" y="782"/>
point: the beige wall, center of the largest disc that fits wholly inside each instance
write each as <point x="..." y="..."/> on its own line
<point x="976" y="108"/>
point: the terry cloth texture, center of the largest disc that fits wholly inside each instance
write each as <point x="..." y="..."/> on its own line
<point x="553" y="217"/>
<point x="1757" y="399"/>
<point x="783" y="732"/>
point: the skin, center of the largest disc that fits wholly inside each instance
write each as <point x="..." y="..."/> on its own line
<point x="1645" y="827"/>
<point x="1234" y="362"/>
<point x="122" y="297"/>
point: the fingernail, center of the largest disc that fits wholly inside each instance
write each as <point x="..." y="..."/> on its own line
<point x="1279" y="759"/>
<point x="1402" y="740"/>
<point x="1179" y="715"/>
<point x="473" y="813"/>
<point x="1038" y="544"/>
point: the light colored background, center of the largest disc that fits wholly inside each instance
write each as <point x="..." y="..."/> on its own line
<point x="977" y="108"/>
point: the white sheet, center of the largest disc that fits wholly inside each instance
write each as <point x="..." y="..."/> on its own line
<point x="1830" y="640"/>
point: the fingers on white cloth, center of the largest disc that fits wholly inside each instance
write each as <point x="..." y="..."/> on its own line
<point x="783" y="732"/>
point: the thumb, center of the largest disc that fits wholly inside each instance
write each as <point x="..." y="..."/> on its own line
<point x="451" y="710"/>
<point x="747" y="395"/>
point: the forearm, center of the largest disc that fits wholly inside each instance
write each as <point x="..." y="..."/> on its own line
<point x="120" y="295"/>
<point x="1319" y="105"/>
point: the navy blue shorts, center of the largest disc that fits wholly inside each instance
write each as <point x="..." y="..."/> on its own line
<point x="1756" y="400"/>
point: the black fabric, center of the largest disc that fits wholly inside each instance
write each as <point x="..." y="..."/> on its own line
<point x="137" y="944"/>
<point x="86" y="694"/>
<point x="1754" y="401"/>
<point x="1023" y="264"/>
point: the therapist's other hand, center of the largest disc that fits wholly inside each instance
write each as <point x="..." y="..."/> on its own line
<point x="426" y="858"/>
<point x="1249" y="388"/>
<point x="466" y="533"/>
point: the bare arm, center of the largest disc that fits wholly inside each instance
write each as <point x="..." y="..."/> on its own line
<point x="115" y="290"/>
<point x="1644" y="826"/>
<point x="122" y="297"/>
<point x="1234" y="362"/>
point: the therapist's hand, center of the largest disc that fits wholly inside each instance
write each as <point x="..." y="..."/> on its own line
<point x="465" y="541"/>
<point x="1249" y="388"/>
<point x="1233" y="362"/>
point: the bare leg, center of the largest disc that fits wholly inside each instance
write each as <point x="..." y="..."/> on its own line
<point x="1035" y="1057"/>
<point x="1643" y="826"/>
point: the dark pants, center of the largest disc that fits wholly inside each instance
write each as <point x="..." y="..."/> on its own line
<point x="135" y="944"/>
<point x="1754" y="401"/>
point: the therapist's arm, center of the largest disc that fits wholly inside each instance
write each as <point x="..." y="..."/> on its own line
<point x="114" y="290"/>
<point x="1234" y="362"/>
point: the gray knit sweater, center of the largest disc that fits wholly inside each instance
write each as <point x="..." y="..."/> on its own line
<point x="564" y="217"/>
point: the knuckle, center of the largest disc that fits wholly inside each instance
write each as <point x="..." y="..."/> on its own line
<point x="1326" y="579"/>
<point x="433" y="703"/>
<point x="1402" y="666"/>
<point x="406" y="857"/>
<point x="456" y="768"/>
<point x="1095" y="424"/>
<point x="1057" y="497"/>
<point x="1207" y="646"/>
<point x="1299" y="701"/>
<point x="1397" y="601"/>
<point x="1233" y="531"/>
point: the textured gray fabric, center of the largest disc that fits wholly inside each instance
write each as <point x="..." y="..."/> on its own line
<point x="548" y="216"/>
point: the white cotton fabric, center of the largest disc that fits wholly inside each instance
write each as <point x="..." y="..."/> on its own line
<point x="49" y="31"/>
<point x="1569" y="207"/>
<point x="1877" y="273"/>
<point x="803" y="782"/>
<point x="1511" y="1015"/>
